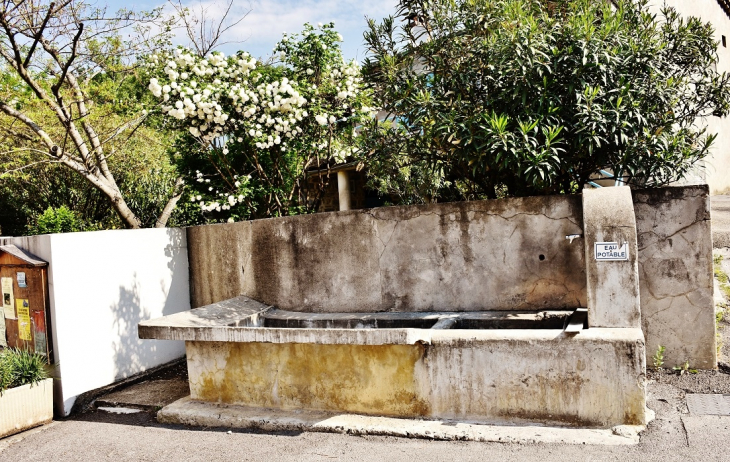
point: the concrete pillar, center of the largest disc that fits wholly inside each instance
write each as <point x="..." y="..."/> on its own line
<point x="612" y="270"/>
<point x="343" y="187"/>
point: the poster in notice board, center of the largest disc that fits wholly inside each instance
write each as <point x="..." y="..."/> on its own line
<point x="3" y="339"/>
<point x="22" y="307"/>
<point x="8" y="299"/>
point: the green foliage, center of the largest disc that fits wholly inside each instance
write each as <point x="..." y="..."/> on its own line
<point x="658" y="358"/>
<point x="139" y="161"/>
<point x="60" y="220"/>
<point x="527" y="97"/>
<point x="6" y="371"/>
<point x="721" y="276"/>
<point x="73" y="129"/>
<point x="19" y="367"/>
<point x="683" y="368"/>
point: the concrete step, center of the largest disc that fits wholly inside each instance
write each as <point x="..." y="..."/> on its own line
<point x="150" y="395"/>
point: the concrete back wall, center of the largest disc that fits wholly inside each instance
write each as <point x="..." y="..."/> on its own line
<point x="509" y="254"/>
<point x="675" y="274"/>
<point x="101" y="284"/>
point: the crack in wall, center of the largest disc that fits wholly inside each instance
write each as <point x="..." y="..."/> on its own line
<point x="507" y="217"/>
<point x="662" y="237"/>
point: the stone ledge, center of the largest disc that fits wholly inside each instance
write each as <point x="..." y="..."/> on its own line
<point x="236" y="320"/>
<point x="197" y="413"/>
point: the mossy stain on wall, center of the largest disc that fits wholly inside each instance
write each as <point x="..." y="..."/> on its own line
<point x="366" y="379"/>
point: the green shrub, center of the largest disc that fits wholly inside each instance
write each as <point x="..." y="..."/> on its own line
<point x="20" y="367"/>
<point x="6" y="371"/>
<point x="527" y="97"/>
<point x="56" y="220"/>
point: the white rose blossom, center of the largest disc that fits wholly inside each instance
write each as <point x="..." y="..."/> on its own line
<point x="227" y="98"/>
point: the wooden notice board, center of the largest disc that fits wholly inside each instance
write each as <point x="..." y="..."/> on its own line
<point x="24" y="284"/>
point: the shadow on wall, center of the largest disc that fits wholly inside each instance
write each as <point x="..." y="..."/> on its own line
<point x="177" y="295"/>
<point x="137" y="301"/>
<point x="130" y="353"/>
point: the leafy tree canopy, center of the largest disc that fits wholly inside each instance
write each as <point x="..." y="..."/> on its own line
<point x="527" y="97"/>
<point x="72" y="126"/>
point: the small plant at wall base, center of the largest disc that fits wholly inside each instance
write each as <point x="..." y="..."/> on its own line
<point x="721" y="276"/>
<point x="20" y="367"/>
<point x="721" y="307"/>
<point x="681" y="369"/>
<point x="658" y="357"/>
<point x="525" y="97"/>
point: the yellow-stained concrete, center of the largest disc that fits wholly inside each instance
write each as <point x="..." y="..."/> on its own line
<point x="369" y="379"/>
<point x="593" y="379"/>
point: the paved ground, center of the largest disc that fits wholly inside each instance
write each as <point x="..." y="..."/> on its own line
<point x="720" y="206"/>
<point x="98" y="436"/>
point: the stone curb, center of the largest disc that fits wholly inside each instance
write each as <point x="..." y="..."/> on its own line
<point x="196" y="413"/>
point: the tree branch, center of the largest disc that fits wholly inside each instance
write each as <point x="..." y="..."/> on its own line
<point x="39" y="34"/>
<point x="177" y="193"/>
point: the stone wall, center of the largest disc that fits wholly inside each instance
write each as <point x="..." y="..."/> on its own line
<point x="508" y="254"/>
<point x="512" y="375"/>
<point x="675" y="274"/>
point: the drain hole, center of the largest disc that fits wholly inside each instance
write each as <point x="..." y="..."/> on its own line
<point x="541" y="257"/>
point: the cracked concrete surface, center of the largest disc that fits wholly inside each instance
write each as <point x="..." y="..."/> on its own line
<point x="675" y="274"/>
<point x="508" y="254"/>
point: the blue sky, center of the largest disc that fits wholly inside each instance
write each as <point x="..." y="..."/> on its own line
<point x="262" y="28"/>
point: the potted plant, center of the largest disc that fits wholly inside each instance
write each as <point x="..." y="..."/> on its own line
<point x="26" y="392"/>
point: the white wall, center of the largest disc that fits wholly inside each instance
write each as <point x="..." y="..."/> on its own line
<point x="717" y="167"/>
<point x="101" y="284"/>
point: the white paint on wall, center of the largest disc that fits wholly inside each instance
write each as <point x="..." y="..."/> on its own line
<point x="716" y="170"/>
<point x="101" y="284"/>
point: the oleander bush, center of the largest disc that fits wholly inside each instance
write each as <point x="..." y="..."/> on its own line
<point x="249" y="130"/>
<point x="497" y="98"/>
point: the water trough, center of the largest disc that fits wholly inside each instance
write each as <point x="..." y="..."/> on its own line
<point x="454" y="312"/>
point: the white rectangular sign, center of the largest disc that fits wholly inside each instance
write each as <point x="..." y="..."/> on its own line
<point x="611" y="251"/>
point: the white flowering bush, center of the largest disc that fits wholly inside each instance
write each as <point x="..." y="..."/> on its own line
<point x="251" y="129"/>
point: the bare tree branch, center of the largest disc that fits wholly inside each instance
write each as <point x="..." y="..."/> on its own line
<point x="38" y="35"/>
<point x="170" y="206"/>
<point x="205" y="33"/>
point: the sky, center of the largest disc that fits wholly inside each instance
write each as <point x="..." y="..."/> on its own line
<point x="268" y="19"/>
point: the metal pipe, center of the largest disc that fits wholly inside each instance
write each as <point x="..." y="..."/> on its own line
<point x="343" y="188"/>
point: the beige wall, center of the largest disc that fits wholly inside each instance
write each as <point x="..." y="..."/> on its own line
<point x="717" y="168"/>
<point x="675" y="274"/>
<point x="101" y="284"/>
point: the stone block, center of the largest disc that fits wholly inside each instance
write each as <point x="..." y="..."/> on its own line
<point x="612" y="285"/>
<point x="595" y="378"/>
<point x="675" y="274"/>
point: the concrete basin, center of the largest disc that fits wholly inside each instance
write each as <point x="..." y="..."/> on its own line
<point x="594" y="378"/>
<point x="462" y="319"/>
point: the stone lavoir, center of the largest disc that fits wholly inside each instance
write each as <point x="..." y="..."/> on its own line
<point x="496" y="311"/>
